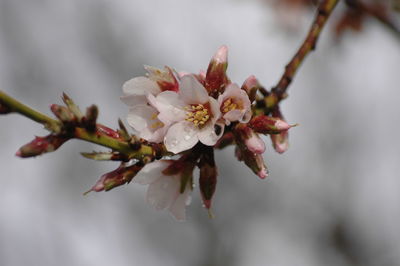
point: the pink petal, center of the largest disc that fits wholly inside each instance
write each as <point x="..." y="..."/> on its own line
<point x="177" y="209"/>
<point x="140" y="86"/>
<point x="162" y="193"/>
<point x="208" y="136"/>
<point x="169" y="105"/>
<point x="133" y="99"/>
<point x="150" y="172"/>
<point x="139" y="116"/>
<point x="191" y="91"/>
<point x="181" y="136"/>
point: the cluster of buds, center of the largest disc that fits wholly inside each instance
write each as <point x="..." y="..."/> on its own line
<point x="191" y="115"/>
<point x="179" y="120"/>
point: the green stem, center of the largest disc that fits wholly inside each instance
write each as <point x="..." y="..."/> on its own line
<point x="140" y="152"/>
<point x="18" y="107"/>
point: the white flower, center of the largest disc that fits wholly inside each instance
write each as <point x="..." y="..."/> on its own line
<point x="164" y="191"/>
<point x="235" y="104"/>
<point x="194" y="115"/>
<point x="136" y="90"/>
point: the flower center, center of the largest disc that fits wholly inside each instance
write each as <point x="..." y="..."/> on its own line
<point x="230" y="105"/>
<point x="197" y="114"/>
<point x="157" y="123"/>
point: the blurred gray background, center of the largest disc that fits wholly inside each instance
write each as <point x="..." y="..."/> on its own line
<point x="332" y="199"/>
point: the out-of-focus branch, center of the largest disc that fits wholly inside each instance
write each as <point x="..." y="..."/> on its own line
<point x="278" y="92"/>
<point x="377" y="13"/>
<point x="139" y="150"/>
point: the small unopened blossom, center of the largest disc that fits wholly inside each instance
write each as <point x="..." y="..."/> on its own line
<point x="41" y="145"/>
<point x="164" y="191"/>
<point x="235" y="104"/>
<point x="193" y="115"/>
<point x="216" y="78"/>
<point x="280" y="141"/>
<point x="253" y="160"/>
<point x="268" y="125"/>
<point x="120" y="176"/>
<point x="250" y="86"/>
<point x="251" y="140"/>
<point x="208" y="177"/>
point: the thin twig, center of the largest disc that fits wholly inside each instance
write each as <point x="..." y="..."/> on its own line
<point x="378" y="14"/>
<point x="324" y="10"/>
<point x="140" y="152"/>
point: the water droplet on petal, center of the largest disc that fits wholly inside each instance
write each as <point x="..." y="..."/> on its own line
<point x="187" y="137"/>
<point x="188" y="200"/>
<point x="174" y="142"/>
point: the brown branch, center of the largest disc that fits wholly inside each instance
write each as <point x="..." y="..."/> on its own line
<point x="324" y="10"/>
<point x="377" y="12"/>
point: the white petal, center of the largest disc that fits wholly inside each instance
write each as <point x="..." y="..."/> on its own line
<point x="191" y="90"/>
<point x="169" y="105"/>
<point x="140" y="86"/>
<point x="150" y="172"/>
<point x="140" y="116"/>
<point x="133" y="99"/>
<point x="162" y="193"/>
<point x="208" y="136"/>
<point x="215" y="111"/>
<point x="181" y="136"/>
<point x="177" y="209"/>
<point x="234" y="115"/>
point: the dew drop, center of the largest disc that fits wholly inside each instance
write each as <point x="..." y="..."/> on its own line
<point x="187" y="137"/>
<point x="174" y="142"/>
<point x="188" y="200"/>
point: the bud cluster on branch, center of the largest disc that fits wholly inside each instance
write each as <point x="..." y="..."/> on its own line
<point x="179" y="120"/>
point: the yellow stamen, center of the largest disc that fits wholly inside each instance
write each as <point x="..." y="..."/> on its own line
<point x="197" y="114"/>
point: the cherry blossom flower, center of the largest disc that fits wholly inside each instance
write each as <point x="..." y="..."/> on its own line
<point x="164" y="190"/>
<point x="235" y="104"/>
<point x="194" y="115"/>
<point x="139" y="93"/>
<point x="136" y="90"/>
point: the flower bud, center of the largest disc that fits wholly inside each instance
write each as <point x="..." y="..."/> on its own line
<point x="251" y="86"/>
<point x="101" y="129"/>
<point x="253" y="160"/>
<point x="251" y="139"/>
<point x="41" y="145"/>
<point x="72" y="107"/>
<point x="90" y="119"/>
<point x="118" y="177"/>
<point x="208" y="176"/>
<point x="280" y="141"/>
<point x="268" y="125"/>
<point x="62" y="113"/>
<point x="216" y="78"/>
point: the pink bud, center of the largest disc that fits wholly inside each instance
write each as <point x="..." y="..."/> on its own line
<point x="251" y="86"/>
<point x="118" y="177"/>
<point x="41" y="145"/>
<point x="250" y="139"/>
<point x="221" y="56"/>
<point x="216" y="78"/>
<point x="255" y="144"/>
<point x="103" y="130"/>
<point x="268" y="125"/>
<point x="280" y="141"/>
